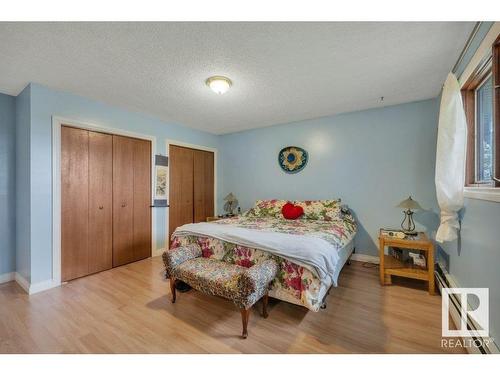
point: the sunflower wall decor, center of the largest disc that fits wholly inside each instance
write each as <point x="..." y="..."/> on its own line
<point x="292" y="159"/>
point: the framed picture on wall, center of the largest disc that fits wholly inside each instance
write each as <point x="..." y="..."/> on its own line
<point x="161" y="179"/>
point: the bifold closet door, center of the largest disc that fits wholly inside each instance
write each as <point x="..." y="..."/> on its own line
<point x="123" y="200"/>
<point x="142" y="199"/>
<point x="86" y="215"/>
<point x="131" y="200"/>
<point x="181" y="187"/>
<point x="100" y="202"/>
<point x="105" y="201"/>
<point x="203" y="175"/>
<point x="74" y="203"/>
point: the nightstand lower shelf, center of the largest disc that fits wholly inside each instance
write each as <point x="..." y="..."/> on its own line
<point x="397" y="268"/>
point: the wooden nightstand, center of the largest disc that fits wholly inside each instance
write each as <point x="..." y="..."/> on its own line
<point x="215" y="218"/>
<point x="390" y="266"/>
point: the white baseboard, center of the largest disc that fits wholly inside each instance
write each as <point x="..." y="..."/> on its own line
<point x="37" y="287"/>
<point x="43" y="285"/>
<point x="365" y="258"/>
<point x="23" y="283"/>
<point x="6" y="277"/>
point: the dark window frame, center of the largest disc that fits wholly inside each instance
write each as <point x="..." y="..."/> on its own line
<point x="489" y="66"/>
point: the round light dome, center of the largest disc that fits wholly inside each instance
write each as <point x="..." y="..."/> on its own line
<point x="219" y="84"/>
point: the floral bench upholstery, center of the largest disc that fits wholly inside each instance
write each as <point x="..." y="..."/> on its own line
<point x="244" y="286"/>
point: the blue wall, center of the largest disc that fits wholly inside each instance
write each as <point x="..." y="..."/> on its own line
<point x="46" y="103"/>
<point x="370" y="159"/>
<point x="7" y="184"/>
<point x="23" y="184"/>
<point x="474" y="260"/>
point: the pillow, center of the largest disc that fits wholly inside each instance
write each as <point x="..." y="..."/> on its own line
<point x="327" y="210"/>
<point x="267" y="208"/>
<point x="291" y="211"/>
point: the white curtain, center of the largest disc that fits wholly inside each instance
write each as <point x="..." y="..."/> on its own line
<point x="450" y="159"/>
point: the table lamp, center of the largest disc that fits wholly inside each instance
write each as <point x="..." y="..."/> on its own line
<point x="408" y="225"/>
<point x="231" y="204"/>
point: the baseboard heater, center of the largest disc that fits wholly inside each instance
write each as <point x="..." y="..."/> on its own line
<point x="445" y="281"/>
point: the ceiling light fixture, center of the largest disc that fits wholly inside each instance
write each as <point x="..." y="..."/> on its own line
<point x="219" y="84"/>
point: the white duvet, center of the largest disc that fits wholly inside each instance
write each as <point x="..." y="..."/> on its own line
<point x="311" y="252"/>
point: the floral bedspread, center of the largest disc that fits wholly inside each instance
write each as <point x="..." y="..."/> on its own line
<point x="293" y="283"/>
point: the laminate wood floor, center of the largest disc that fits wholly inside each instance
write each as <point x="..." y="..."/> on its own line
<point x="128" y="310"/>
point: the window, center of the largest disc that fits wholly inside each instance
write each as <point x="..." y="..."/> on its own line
<point x="481" y="96"/>
<point x="484" y="131"/>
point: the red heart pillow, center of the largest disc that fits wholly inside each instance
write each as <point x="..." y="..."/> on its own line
<point x="291" y="211"/>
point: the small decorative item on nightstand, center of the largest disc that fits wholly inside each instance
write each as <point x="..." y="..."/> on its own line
<point x="393" y="233"/>
<point x="407" y="265"/>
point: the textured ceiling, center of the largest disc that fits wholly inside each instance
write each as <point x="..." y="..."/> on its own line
<point x="281" y="72"/>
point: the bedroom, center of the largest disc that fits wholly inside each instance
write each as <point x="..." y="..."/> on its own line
<point x="249" y="187"/>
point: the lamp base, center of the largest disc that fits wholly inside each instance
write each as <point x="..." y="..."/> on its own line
<point x="408" y="225"/>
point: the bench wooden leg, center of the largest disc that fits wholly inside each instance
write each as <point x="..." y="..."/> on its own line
<point x="245" y="314"/>
<point x="265" y="299"/>
<point x="172" y="289"/>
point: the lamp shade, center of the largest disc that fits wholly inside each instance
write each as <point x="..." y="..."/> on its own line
<point x="230" y="197"/>
<point x="410" y="204"/>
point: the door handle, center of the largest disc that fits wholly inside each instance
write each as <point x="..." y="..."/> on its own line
<point x="101" y="207"/>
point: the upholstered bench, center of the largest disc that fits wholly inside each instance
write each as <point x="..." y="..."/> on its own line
<point x="244" y="286"/>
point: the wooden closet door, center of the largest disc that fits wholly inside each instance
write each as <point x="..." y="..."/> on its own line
<point x="142" y="199"/>
<point x="203" y="175"/>
<point x="100" y="202"/>
<point x="74" y="203"/>
<point x="181" y="187"/>
<point x="123" y="200"/>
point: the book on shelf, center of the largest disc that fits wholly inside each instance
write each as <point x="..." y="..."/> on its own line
<point x="410" y="258"/>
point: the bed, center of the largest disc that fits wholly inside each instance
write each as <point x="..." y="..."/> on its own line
<point x="310" y="251"/>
